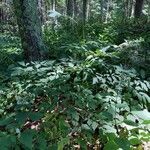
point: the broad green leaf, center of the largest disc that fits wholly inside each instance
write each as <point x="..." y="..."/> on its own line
<point x="21" y="117"/>
<point x="111" y="145"/>
<point x="7" y="142"/>
<point x="144" y="114"/>
<point x="35" y="116"/>
<point x="144" y="87"/>
<point x="62" y="143"/>
<point x="135" y="141"/>
<point x="130" y="122"/>
<point x="123" y="143"/>
<point x="26" y="138"/>
<point x="6" y="121"/>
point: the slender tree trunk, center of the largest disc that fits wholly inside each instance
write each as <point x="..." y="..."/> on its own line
<point x="40" y="9"/>
<point x="102" y="10"/>
<point x="107" y="11"/>
<point x="85" y="10"/>
<point x="30" y="29"/>
<point x="53" y="8"/>
<point x="131" y="5"/>
<point x="1" y="19"/>
<point x="138" y="8"/>
<point x="3" y="8"/>
<point x="75" y="9"/>
<point x="127" y="8"/>
<point x="70" y="8"/>
<point x="148" y="3"/>
<point x="53" y="4"/>
<point x="84" y="16"/>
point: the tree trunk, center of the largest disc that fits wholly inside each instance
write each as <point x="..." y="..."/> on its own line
<point x="85" y="15"/>
<point x="76" y="9"/>
<point x="148" y="3"/>
<point x="30" y="29"/>
<point x="85" y="10"/>
<point x="138" y="8"/>
<point x="131" y="6"/>
<point x="53" y="5"/>
<point x="127" y="9"/>
<point x="70" y="9"/>
<point x="109" y="8"/>
<point x="40" y="9"/>
<point x="102" y="10"/>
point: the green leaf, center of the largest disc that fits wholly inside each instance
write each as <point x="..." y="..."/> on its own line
<point x="6" y="121"/>
<point x="7" y="142"/>
<point x="41" y="144"/>
<point x="135" y="141"/>
<point x="146" y="122"/>
<point x="144" y="87"/>
<point x="130" y="122"/>
<point x="94" y="125"/>
<point x="53" y="147"/>
<point x="82" y="143"/>
<point x="26" y="138"/>
<point x="63" y="142"/>
<point x="123" y="143"/>
<point x="95" y="80"/>
<point x="111" y="145"/>
<point x="21" y="117"/>
<point x="145" y="96"/>
<point x="35" y="116"/>
<point x="144" y="114"/>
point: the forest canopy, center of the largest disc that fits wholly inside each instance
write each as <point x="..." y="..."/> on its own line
<point x="74" y="74"/>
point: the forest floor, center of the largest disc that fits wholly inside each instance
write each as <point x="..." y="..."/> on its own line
<point x="96" y="102"/>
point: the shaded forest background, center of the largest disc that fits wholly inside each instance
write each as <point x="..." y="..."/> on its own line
<point x="74" y="74"/>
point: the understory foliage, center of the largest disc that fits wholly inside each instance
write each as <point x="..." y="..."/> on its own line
<point x="70" y="103"/>
<point x="10" y="50"/>
<point x="90" y="93"/>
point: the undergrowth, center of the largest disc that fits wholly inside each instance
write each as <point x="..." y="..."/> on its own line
<point x="93" y="93"/>
<point x="63" y="104"/>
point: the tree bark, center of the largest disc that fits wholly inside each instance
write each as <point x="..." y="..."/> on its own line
<point x="30" y="29"/>
<point x="70" y="8"/>
<point x="138" y="8"/>
<point x="85" y="10"/>
<point x="131" y="6"/>
<point x="85" y="15"/>
<point x="53" y="4"/>
<point x="102" y="10"/>
<point x="76" y="9"/>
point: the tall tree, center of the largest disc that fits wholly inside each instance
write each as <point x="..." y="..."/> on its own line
<point x="85" y="10"/>
<point x="76" y="9"/>
<point x="30" y="29"/>
<point x="85" y="15"/>
<point x="131" y="8"/>
<point x="53" y="5"/>
<point x="70" y="7"/>
<point x="138" y="8"/>
<point x="102" y="9"/>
